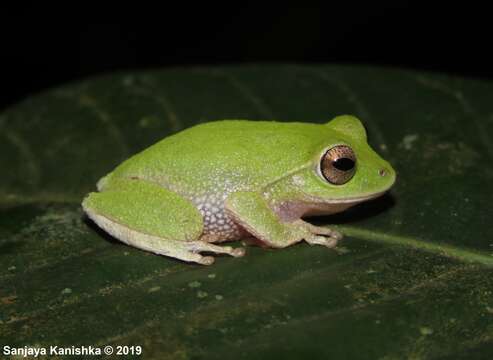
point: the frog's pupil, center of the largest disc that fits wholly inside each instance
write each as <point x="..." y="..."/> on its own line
<point x="343" y="164"/>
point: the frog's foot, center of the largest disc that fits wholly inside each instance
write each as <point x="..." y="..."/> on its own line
<point x="199" y="246"/>
<point x="316" y="235"/>
<point x="177" y="249"/>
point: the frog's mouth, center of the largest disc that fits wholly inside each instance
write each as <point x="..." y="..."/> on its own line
<point x="348" y="200"/>
<point x="313" y="206"/>
<point x="354" y="200"/>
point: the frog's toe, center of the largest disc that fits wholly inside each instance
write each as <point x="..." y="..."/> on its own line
<point x="316" y="239"/>
<point x="206" y="260"/>
<point x="321" y="230"/>
<point x="326" y="232"/>
<point x="199" y="246"/>
<point x="238" y="252"/>
<point x="329" y="242"/>
<point x="336" y="235"/>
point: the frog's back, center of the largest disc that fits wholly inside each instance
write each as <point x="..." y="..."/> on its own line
<point x="236" y="151"/>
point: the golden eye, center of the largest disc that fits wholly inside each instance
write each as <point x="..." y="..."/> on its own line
<point x="338" y="164"/>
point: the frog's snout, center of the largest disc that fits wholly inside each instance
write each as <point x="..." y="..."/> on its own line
<point x="387" y="175"/>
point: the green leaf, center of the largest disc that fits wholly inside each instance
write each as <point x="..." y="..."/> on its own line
<point x="412" y="279"/>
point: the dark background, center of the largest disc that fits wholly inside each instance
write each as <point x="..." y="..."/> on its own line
<point x="41" y="49"/>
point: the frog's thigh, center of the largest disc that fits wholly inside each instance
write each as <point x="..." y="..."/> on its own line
<point x="150" y="218"/>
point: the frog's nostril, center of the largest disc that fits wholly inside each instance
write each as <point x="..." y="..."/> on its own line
<point x="382" y="172"/>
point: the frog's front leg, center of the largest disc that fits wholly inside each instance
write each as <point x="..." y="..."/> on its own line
<point x="151" y="218"/>
<point x="320" y="235"/>
<point x="251" y="211"/>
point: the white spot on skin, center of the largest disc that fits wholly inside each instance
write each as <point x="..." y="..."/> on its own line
<point x="298" y="180"/>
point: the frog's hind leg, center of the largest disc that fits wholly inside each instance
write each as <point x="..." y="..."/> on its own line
<point x="151" y="218"/>
<point x="156" y="244"/>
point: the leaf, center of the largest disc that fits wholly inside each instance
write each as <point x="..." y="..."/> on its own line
<point x="412" y="279"/>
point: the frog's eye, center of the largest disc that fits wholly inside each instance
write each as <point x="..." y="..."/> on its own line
<point x="338" y="164"/>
